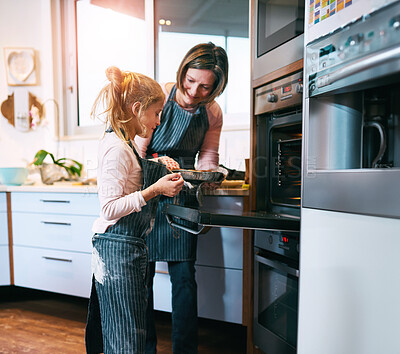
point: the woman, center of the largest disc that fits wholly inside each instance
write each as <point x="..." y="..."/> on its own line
<point x="190" y="126"/>
<point x="128" y="192"/>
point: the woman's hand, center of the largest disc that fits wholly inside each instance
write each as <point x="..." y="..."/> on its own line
<point x="169" y="185"/>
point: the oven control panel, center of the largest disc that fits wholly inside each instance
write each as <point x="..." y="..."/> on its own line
<point x="368" y="42"/>
<point x="279" y="94"/>
<point x="283" y="243"/>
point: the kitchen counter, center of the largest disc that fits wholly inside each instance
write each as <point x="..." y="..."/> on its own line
<point x="69" y="187"/>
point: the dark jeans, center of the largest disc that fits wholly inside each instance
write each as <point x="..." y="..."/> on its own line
<point x="184" y="309"/>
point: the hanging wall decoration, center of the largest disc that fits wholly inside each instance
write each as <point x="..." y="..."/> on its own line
<point x="20" y="66"/>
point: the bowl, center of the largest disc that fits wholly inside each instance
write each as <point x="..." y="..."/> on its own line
<point x="13" y="176"/>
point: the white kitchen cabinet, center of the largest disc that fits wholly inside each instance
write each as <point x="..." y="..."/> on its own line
<point x="4" y="251"/>
<point x="53" y="270"/>
<point x="162" y="288"/>
<point x="219" y="269"/>
<point x="3" y="220"/>
<point x="4" y="265"/>
<point x="52" y="240"/>
<point x="220" y="293"/>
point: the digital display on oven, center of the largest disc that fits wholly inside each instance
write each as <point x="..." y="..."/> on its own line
<point x="284" y="239"/>
<point x="286" y="89"/>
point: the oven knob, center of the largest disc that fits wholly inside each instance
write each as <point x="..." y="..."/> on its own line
<point x="395" y="22"/>
<point x="272" y="97"/>
<point x="355" y="39"/>
<point x="299" y="88"/>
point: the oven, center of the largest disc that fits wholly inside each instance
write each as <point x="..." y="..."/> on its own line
<point x="278" y="28"/>
<point x="277" y="168"/>
<point x="276" y="176"/>
<point x="352" y="158"/>
<point x="276" y="288"/>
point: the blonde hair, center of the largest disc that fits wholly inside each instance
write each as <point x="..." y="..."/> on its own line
<point x="117" y="98"/>
<point x="205" y="56"/>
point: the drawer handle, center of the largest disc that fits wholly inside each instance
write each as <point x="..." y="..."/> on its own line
<point x="58" y="259"/>
<point x="54" y="201"/>
<point x="56" y="223"/>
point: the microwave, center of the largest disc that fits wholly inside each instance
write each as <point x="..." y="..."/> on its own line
<point x="278" y="34"/>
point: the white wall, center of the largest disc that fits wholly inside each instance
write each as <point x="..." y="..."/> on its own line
<point x="27" y="23"/>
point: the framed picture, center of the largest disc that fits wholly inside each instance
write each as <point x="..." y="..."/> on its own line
<point x="20" y="66"/>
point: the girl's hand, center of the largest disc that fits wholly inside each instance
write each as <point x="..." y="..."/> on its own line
<point x="169" y="185"/>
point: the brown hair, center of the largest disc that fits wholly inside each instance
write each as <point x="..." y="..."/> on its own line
<point x="117" y="98"/>
<point x="210" y="57"/>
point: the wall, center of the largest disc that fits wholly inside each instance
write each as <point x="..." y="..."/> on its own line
<point x="27" y="23"/>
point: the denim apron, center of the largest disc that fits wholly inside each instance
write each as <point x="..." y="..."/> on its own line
<point x="179" y="136"/>
<point x="118" y="300"/>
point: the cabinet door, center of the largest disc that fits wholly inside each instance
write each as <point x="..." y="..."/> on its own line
<point x="162" y="288"/>
<point x="3" y="220"/>
<point x="50" y="270"/>
<point x="220" y="293"/>
<point x="56" y="203"/>
<point x="3" y="202"/>
<point x="63" y="232"/>
<point x="221" y="246"/>
<point x="4" y="266"/>
<point x="3" y="228"/>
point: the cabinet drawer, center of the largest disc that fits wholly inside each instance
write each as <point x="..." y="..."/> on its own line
<point x="220" y="293"/>
<point x="64" y="232"/>
<point x="3" y="202"/>
<point x="57" y="203"/>
<point x="4" y="266"/>
<point x="162" y="292"/>
<point x="221" y="247"/>
<point x="61" y="272"/>
<point x="3" y="228"/>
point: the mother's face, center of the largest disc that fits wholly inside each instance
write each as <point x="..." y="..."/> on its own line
<point x="197" y="86"/>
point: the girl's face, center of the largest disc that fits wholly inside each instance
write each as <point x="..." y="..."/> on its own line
<point x="150" y="119"/>
<point x="197" y="86"/>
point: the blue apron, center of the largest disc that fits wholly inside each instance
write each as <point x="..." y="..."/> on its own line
<point x="179" y="136"/>
<point x="118" y="300"/>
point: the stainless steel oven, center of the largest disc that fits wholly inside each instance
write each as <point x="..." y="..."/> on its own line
<point x="277" y="167"/>
<point x="276" y="287"/>
<point x="276" y="218"/>
<point x="352" y="158"/>
<point x="278" y="28"/>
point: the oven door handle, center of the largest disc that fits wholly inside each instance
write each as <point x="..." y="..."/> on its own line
<point x="360" y="65"/>
<point x="277" y="265"/>
<point x="183" y="227"/>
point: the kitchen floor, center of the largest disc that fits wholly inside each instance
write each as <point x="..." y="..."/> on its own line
<point x="41" y="322"/>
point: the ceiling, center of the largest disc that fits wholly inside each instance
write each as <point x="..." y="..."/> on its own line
<point x="218" y="17"/>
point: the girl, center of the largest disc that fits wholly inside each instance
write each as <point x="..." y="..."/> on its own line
<point x="129" y="188"/>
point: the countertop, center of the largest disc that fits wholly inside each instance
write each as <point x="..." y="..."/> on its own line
<point x="68" y="187"/>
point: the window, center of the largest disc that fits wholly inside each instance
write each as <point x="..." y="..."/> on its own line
<point x="183" y="24"/>
<point x="225" y="23"/>
<point x="99" y="34"/>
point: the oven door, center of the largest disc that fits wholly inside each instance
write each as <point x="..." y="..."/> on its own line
<point x="276" y="285"/>
<point x="197" y="220"/>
